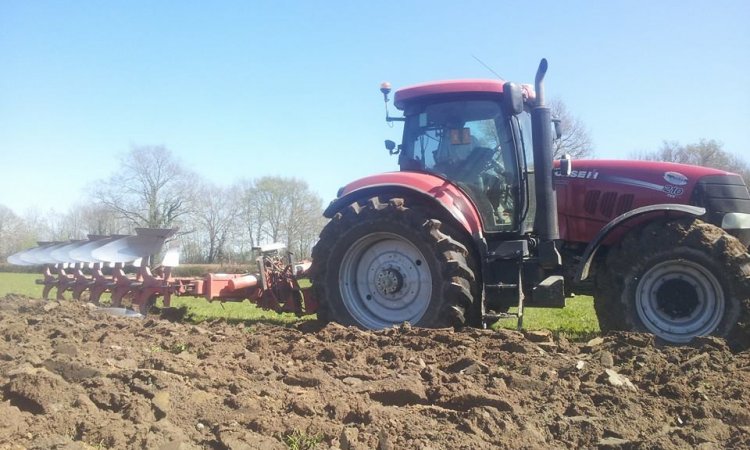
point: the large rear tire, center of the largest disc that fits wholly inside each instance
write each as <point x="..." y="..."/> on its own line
<point x="379" y="264"/>
<point x="677" y="280"/>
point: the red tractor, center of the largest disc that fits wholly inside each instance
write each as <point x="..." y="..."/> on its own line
<point x="480" y="219"/>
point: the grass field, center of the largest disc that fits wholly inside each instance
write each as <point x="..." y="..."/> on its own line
<point x="576" y="321"/>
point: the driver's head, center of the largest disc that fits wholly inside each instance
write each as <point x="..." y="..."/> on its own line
<point x="461" y="143"/>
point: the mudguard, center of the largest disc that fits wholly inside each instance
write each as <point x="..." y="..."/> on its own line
<point x="614" y="224"/>
<point x="430" y="187"/>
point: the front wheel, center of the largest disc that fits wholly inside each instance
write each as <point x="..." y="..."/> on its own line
<point x="380" y="264"/>
<point x="677" y="280"/>
<point x="678" y="295"/>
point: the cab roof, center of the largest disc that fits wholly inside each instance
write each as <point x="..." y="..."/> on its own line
<point x="407" y="94"/>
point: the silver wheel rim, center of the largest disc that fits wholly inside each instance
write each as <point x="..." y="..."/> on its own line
<point x="678" y="300"/>
<point x="385" y="280"/>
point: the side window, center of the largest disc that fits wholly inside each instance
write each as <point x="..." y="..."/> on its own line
<point x="529" y="210"/>
<point x="524" y="121"/>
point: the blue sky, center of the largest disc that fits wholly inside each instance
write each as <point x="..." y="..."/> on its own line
<point x="251" y="88"/>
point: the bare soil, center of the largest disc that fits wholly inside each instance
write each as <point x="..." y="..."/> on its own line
<point x="74" y="378"/>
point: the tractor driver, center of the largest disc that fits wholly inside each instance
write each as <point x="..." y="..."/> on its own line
<point x="462" y="157"/>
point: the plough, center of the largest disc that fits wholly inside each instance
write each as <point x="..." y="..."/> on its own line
<point x="98" y="266"/>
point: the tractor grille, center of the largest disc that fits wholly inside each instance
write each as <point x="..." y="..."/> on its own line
<point x="722" y="194"/>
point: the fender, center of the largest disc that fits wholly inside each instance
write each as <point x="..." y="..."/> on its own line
<point x="443" y="193"/>
<point x="595" y="244"/>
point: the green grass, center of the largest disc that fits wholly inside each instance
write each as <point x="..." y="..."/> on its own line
<point x="299" y="440"/>
<point x="199" y="310"/>
<point x="20" y="283"/>
<point x="576" y="321"/>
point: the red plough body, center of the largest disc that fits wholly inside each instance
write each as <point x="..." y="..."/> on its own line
<point x="101" y="269"/>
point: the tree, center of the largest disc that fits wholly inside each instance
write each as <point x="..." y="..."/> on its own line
<point x="575" y="140"/>
<point x="214" y="217"/>
<point x="279" y="209"/>
<point x="151" y="188"/>
<point x="42" y="225"/>
<point x="98" y="219"/>
<point x="706" y="152"/>
<point x="82" y="220"/>
<point x="14" y="235"/>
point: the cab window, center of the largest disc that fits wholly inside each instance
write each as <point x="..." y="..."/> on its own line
<point x="471" y="144"/>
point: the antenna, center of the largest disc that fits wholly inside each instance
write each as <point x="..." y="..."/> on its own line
<point x="486" y="66"/>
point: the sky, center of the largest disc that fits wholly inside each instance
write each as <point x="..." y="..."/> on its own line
<point x="245" y="89"/>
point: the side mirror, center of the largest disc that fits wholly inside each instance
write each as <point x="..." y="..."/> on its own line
<point x="391" y="147"/>
<point x="558" y="128"/>
<point x="566" y="165"/>
<point x="513" y="98"/>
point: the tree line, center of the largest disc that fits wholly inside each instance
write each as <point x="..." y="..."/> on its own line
<point x="153" y="189"/>
<point x="706" y="153"/>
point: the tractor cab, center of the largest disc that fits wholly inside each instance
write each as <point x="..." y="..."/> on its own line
<point x="473" y="143"/>
<point x="486" y="137"/>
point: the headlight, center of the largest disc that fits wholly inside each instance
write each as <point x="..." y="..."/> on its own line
<point x="735" y="221"/>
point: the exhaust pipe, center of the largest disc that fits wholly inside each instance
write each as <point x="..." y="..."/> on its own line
<point x="545" y="219"/>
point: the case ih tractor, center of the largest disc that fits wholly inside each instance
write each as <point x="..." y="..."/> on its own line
<point x="480" y="219"/>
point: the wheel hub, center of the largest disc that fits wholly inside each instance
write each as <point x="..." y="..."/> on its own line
<point x="679" y="299"/>
<point x="389" y="281"/>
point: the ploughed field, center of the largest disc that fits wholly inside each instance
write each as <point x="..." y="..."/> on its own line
<point x="72" y="377"/>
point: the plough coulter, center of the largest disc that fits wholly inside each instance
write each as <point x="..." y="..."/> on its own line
<point x="121" y="266"/>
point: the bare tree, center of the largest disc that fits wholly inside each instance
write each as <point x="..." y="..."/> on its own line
<point x="575" y="140"/>
<point x="251" y="211"/>
<point x="214" y="216"/>
<point x="43" y="226"/>
<point x="706" y="152"/>
<point x="151" y="189"/>
<point x="304" y="220"/>
<point x="99" y="219"/>
<point x="278" y="209"/>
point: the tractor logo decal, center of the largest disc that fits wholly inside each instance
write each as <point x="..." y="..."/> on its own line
<point x="633" y="182"/>
<point x="585" y="174"/>
<point x="671" y="190"/>
<point x="675" y="178"/>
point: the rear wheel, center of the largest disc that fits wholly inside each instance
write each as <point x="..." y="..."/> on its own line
<point x="677" y="280"/>
<point x="380" y="264"/>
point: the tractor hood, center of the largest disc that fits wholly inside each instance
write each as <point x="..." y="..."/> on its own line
<point x="667" y="182"/>
<point x="597" y="191"/>
<point x="656" y="175"/>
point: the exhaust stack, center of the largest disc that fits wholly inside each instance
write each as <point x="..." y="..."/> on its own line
<point x="545" y="219"/>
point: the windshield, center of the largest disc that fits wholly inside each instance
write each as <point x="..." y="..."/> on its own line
<point x="471" y="144"/>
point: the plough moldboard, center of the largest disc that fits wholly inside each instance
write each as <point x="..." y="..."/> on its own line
<point x="119" y="265"/>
